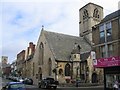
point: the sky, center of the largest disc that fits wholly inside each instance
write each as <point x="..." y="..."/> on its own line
<point x="21" y="21"/>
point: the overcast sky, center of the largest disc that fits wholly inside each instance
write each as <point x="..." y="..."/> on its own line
<point x="21" y="20"/>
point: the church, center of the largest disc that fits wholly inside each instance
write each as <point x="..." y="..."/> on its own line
<point x="68" y="58"/>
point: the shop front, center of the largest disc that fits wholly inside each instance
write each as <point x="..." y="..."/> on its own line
<point x="111" y="68"/>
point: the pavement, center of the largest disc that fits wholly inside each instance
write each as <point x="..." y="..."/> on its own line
<point x="0" y="83"/>
<point x="82" y="85"/>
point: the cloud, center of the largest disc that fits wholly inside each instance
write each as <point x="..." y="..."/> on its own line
<point x="21" y="20"/>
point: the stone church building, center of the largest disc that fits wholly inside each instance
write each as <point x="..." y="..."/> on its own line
<point x="67" y="57"/>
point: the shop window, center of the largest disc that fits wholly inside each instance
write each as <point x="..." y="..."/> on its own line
<point x="111" y="79"/>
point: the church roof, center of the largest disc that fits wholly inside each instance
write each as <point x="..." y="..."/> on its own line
<point x="84" y="56"/>
<point x="62" y="45"/>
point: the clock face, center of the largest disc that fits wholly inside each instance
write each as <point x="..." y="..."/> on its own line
<point x="85" y="14"/>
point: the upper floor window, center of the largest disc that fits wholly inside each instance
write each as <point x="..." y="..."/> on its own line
<point x="108" y="29"/>
<point x="41" y="45"/>
<point x="102" y="32"/>
<point x="85" y="14"/>
<point x="41" y="53"/>
<point x="103" y="51"/>
<point x="50" y="67"/>
<point x="96" y="13"/>
<point x="110" y="50"/>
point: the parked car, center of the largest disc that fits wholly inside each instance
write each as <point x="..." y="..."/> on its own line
<point x="20" y="79"/>
<point x="14" y="86"/>
<point x="28" y="81"/>
<point x="48" y="83"/>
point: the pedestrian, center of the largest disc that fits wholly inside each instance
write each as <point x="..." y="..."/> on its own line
<point x="119" y="84"/>
<point x="115" y="86"/>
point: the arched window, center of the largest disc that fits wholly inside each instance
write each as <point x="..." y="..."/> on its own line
<point x="85" y="14"/>
<point x="76" y="48"/>
<point x="33" y="69"/>
<point x="40" y="73"/>
<point x="49" y="66"/>
<point x="67" y="69"/>
<point x="41" y="55"/>
<point x="60" y="71"/>
<point x="96" y="13"/>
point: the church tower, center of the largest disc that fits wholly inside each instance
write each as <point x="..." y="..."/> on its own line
<point x="90" y="15"/>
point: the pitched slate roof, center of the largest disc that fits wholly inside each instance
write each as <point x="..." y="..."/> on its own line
<point x="111" y="16"/>
<point x="62" y="45"/>
<point x="84" y="56"/>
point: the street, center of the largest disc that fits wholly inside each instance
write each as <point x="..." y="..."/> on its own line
<point x="69" y="88"/>
<point x="33" y="87"/>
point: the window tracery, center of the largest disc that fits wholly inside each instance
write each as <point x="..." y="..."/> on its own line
<point x="96" y="13"/>
<point x="85" y="14"/>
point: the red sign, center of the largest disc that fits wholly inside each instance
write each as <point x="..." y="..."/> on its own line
<point x="107" y="62"/>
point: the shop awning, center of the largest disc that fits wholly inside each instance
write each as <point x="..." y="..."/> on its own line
<point x="107" y="62"/>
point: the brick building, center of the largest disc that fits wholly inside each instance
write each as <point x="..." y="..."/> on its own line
<point x="19" y="62"/>
<point x="106" y="39"/>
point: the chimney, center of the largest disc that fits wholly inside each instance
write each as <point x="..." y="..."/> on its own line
<point x="31" y="44"/>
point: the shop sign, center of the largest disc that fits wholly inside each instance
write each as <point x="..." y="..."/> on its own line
<point x="107" y="62"/>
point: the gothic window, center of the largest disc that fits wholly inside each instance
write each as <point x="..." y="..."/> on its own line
<point x="67" y="69"/>
<point x="50" y="67"/>
<point x="41" y="45"/>
<point x="96" y="13"/>
<point x="41" y="50"/>
<point x="76" y="48"/>
<point x="33" y="69"/>
<point x="60" y="71"/>
<point x="74" y="56"/>
<point x="40" y="73"/>
<point x="85" y="14"/>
